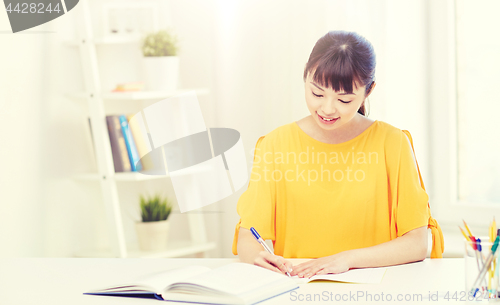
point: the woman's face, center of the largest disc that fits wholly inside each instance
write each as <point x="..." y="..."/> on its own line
<point x="332" y="109"/>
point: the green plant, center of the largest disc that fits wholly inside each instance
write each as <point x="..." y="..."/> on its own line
<point x="155" y="208"/>
<point x="161" y="43"/>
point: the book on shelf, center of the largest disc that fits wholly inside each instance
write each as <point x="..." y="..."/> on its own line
<point x="140" y="142"/>
<point x="133" y="155"/>
<point x="132" y="142"/>
<point x="236" y="283"/>
<point x="118" y="146"/>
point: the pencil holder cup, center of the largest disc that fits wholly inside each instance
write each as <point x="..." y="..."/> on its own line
<point x="481" y="282"/>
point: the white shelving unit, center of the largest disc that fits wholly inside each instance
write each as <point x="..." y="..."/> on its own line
<point x="175" y="249"/>
<point x="140" y="95"/>
<point x="106" y="176"/>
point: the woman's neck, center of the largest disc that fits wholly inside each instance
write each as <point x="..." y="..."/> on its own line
<point x="346" y="132"/>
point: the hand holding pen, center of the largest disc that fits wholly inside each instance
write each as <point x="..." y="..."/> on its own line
<point x="279" y="262"/>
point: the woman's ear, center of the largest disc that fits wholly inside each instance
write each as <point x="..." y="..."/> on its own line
<point x="370" y="89"/>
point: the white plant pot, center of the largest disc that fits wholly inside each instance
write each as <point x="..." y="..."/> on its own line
<point x="161" y="73"/>
<point x="152" y="236"/>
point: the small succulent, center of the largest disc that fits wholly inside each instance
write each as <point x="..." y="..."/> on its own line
<point x="161" y="43"/>
<point x="155" y="208"/>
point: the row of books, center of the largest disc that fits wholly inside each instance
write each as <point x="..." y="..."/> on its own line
<point x="127" y="144"/>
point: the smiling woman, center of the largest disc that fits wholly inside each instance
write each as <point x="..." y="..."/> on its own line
<point x="339" y="76"/>
<point x="345" y="214"/>
<point x="341" y="61"/>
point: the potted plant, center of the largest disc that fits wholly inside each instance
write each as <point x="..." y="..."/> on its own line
<point x="152" y="231"/>
<point x="160" y="60"/>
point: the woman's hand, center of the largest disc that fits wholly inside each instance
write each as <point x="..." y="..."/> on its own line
<point x="410" y="247"/>
<point x="251" y="252"/>
<point x="272" y="262"/>
<point x="336" y="263"/>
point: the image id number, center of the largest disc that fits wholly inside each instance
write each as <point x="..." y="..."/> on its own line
<point x="33" y="8"/>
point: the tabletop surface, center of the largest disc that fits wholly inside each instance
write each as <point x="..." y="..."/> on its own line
<point x="63" y="281"/>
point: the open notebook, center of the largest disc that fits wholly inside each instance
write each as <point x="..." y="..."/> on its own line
<point x="236" y="283"/>
<point x="360" y="276"/>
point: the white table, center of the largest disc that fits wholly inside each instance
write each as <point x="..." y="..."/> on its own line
<point x="63" y="280"/>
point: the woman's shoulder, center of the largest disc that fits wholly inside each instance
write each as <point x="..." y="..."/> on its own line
<point x="276" y="138"/>
<point x="281" y="133"/>
<point x="393" y="136"/>
<point x="389" y="131"/>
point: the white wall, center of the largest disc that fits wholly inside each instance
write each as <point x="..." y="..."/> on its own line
<point x="45" y="143"/>
<point x="43" y="210"/>
<point x="21" y="149"/>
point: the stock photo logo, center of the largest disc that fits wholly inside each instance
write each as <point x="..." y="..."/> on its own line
<point x="204" y="165"/>
<point x="25" y="15"/>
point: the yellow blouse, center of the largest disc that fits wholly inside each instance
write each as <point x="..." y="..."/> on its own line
<point x="314" y="199"/>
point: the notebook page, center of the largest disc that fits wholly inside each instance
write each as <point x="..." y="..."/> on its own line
<point x="360" y="276"/>
<point x="156" y="282"/>
<point x="238" y="278"/>
<point x="161" y="280"/>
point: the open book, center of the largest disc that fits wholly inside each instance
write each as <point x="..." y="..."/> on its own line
<point x="360" y="276"/>
<point x="236" y="283"/>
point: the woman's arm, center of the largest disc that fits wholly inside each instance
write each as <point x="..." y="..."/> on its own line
<point x="410" y="247"/>
<point x="250" y="251"/>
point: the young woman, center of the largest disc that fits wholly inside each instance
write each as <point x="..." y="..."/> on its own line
<point x="336" y="186"/>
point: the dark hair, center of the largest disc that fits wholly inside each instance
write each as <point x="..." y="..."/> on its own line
<point x="340" y="59"/>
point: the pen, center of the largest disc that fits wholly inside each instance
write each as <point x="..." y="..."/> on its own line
<point x="495" y="264"/>
<point x="486" y="266"/>
<point x="479" y="249"/>
<point x="494" y="236"/>
<point x="476" y="246"/>
<point x="496" y="279"/>
<point x="261" y="241"/>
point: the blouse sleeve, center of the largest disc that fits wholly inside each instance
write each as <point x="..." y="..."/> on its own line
<point x="412" y="199"/>
<point x="257" y="204"/>
<point x="437" y="233"/>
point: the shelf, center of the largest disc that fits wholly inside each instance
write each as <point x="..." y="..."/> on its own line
<point x="137" y="176"/>
<point x="106" y="41"/>
<point x="129" y="176"/>
<point x="141" y="95"/>
<point x="103" y="102"/>
<point x="175" y="249"/>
